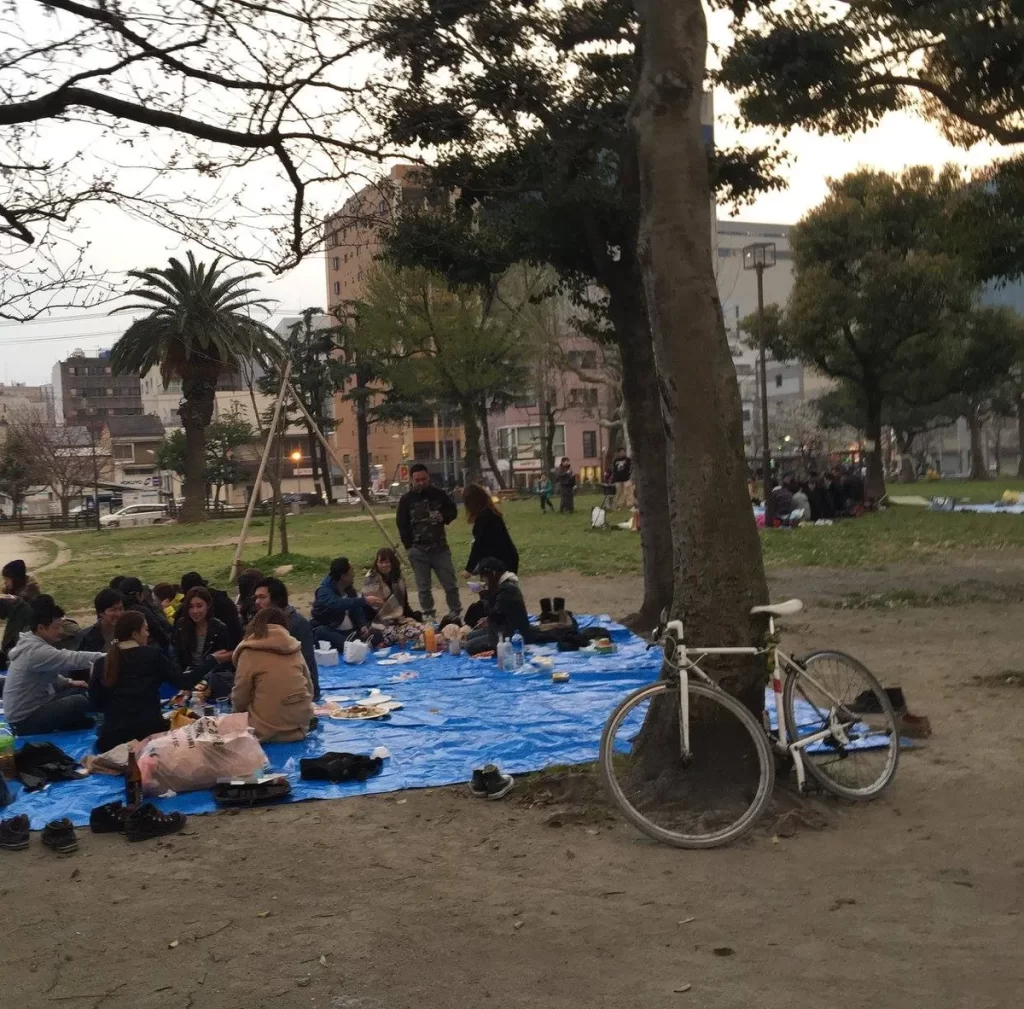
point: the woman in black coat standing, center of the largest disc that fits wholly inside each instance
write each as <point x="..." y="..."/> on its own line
<point x="490" y="534"/>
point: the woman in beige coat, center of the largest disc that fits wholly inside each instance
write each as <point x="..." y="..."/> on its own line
<point x="272" y="682"/>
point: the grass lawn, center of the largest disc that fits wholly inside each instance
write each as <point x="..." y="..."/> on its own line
<point x="546" y="543"/>
<point x="976" y="491"/>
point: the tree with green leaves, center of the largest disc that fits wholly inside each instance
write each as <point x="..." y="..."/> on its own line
<point x="876" y="299"/>
<point x="224" y="437"/>
<point x="198" y="327"/>
<point x="443" y="348"/>
<point x="528" y="108"/>
<point x="319" y="370"/>
<point x="16" y="471"/>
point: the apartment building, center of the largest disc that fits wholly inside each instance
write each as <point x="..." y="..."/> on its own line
<point x="87" y="393"/>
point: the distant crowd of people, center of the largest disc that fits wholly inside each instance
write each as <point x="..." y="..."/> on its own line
<point x="838" y="493"/>
<point x="252" y="647"/>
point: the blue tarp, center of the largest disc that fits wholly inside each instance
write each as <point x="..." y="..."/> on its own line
<point x="457" y="713"/>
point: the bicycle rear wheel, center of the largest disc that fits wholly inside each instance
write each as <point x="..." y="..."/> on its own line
<point x="713" y="797"/>
<point x="836" y="693"/>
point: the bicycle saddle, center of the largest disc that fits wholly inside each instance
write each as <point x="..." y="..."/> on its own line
<point x="786" y="609"/>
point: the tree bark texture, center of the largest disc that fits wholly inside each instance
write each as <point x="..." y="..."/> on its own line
<point x="874" y="481"/>
<point x="489" y="449"/>
<point x="196" y="412"/>
<point x="718" y="569"/>
<point x="363" y="433"/>
<point x="471" y="426"/>
<point x="979" y="464"/>
<point x="646" y="426"/>
<point x="1020" y="436"/>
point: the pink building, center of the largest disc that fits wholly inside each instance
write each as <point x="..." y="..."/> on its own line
<point x="582" y="407"/>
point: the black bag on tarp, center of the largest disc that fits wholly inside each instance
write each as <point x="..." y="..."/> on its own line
<point x="339" y="767"/>
<point x="39" y="764"/>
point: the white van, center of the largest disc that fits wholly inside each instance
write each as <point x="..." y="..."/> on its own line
<point x="135" y="515"/>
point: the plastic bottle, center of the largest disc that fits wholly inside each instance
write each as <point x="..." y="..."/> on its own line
<point x="196" y="704"/>
<point x="499" y="652"/>
<point x="429" y="638"/>
<point x="518" y="648"/>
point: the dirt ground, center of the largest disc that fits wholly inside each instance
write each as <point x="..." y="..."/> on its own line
<point x="434" y="899"/>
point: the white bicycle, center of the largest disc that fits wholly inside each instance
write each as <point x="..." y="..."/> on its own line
<point x="701" y="774"/>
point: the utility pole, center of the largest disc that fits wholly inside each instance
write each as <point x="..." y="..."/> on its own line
<point x="760" y="257"/>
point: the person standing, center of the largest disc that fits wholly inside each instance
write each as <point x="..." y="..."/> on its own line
<point x="544" y="489"/>
<point x="423" y="513"/>
<point x="490" y="534"/>
<point x="565" y="480"/>
<point x="622" y="477"/>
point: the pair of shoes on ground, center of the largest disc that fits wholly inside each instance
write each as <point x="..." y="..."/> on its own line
<point x="907" y="724"/>
<point x="58" y="835"/>
<point x="490" y="782"/>
<point x="138" y="823"/>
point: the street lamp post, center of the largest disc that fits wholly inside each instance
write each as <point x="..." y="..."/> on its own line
<point x="296" y="458"/>
<point x="760" y="257"/>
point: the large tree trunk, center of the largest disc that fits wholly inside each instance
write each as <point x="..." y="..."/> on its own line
<point x="998" y="446"/>
<point x="717" y="553"/>
<point x="325" y="469"/>
<point x="646" y="428"/>
<point x="979" y="465"/>
<point x="489" y="449"/>
<point x="905" y="443"/>
<point x="362" y="433"/>
<point x="196" y="412"/>
<point x="874" y="482"/>
<point x="1020" y="435"/>
<point x="471" y="426"/>
<point x="314" y="461"/>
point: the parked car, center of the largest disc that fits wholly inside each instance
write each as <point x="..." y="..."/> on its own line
<point x="135" y="515"/>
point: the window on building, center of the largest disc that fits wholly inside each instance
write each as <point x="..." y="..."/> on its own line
<point x="589" y="444"/>
<point x="746" y="416"/>
<point x="583" y="359"/>
<point x="346" y="460"/>
<point x="337" y="287"/>
<point x="583" y="396"/>
<point x="126" y="453"/>
<point x="778" y="381"/>
<point x="73" y="371"/>
<point x="335" y="263"/>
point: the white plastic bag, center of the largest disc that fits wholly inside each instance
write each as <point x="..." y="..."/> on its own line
<point x="356" y="651"/>
<point x="197" y="755"/>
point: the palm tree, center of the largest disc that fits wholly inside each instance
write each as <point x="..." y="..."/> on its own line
<point x="198" y="328"/>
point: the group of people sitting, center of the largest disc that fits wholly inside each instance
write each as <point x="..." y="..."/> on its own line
<point x="837" y="494"/>
<point x="255" y="650"/>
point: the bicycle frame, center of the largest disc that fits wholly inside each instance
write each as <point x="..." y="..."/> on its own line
<point x="680" y="659"/>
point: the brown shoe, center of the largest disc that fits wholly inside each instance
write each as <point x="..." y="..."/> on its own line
<point x="914" y="726"/>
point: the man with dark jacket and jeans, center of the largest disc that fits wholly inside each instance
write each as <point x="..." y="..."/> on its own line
<point x="423" y="513"/>
<point x="338" y="609"/>
<point x="273" y="592"/>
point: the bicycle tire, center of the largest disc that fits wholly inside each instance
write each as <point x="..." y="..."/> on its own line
<point x="762" y="748"/>
<point x="886" y="715"/>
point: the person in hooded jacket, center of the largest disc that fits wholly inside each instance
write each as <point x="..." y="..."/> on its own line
<point x="272" y="683"/>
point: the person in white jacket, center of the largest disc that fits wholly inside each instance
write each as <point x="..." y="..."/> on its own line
<point x="38" y="696"/>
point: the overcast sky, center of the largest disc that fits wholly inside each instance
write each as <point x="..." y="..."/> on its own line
<point x="29" y="350"/>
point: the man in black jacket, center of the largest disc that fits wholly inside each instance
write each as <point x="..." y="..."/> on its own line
<point x="274" y="592"/>
<point x="423" y="513"/>
<point x="133" y="593"/>
<point x="622" y="477"/>
<point x="224" y="608"/>
<point x="109" y="606"/>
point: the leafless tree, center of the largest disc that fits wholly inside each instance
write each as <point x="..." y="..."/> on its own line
<point x="214" y="118"/>
<point x="63" y="457"/>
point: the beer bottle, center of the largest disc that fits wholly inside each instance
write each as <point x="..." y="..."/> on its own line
<point x="133" y="782"/>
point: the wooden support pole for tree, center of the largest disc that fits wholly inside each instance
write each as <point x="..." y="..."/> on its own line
<point x="285" y="387"/>
<point x="349" y="482"/>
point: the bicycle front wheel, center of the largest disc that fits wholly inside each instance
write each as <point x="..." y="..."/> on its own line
<point x="703" y="799"/>
<point x="835" y="694"/>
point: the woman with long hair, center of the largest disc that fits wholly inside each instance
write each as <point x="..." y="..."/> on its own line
<point x="202" y="645"/>
<point x="272" y="683"/>
<point x="490" y="534"/>
<point x="385" y="590"/>
<point x="125" y="684"/>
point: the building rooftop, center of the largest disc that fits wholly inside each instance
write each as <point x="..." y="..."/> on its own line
<point x="146" y="425"/>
